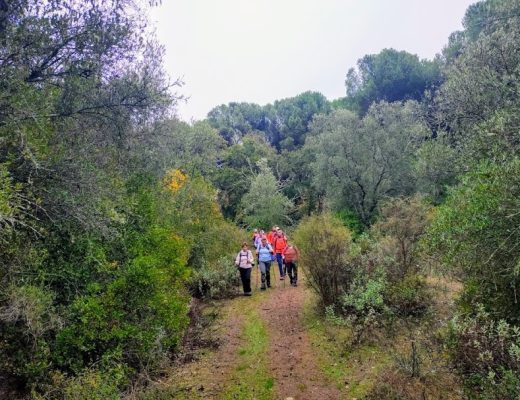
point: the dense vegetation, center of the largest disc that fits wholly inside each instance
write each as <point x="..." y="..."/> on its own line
<point x="114" y="214"/>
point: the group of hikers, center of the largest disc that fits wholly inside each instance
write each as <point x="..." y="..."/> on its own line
<point x="270" y="247"/>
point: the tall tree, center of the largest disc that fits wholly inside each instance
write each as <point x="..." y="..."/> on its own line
<point x="264" y="204"/>
<point x="361" y="161"/>
<point x="390" y="75"/>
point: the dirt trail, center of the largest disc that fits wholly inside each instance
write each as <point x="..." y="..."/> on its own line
<point x="292" y="360"/>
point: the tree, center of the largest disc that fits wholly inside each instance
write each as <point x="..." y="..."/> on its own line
<point x="283" y="124"/>
<point x="235" y="120"/>
<point x="359" y="162"/>
<point x="390" y="76"/>
<point x="479" y="101"/>
<point x="293" y="116"/>
<point x="264" y="205"/>
<point x="237" y="165"/>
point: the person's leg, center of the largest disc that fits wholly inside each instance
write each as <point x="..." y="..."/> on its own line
<point x="247" y="286"/>
<point x="295" y="269"/>
<point x="279" y="260"/>
<point x="289" y="268"/>
<point x="262" y="267"/>
<point x="268" y="274"/>
<point x="243" y="278"/>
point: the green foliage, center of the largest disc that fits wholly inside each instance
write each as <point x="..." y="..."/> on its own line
<point x="479" y="100"/>
<point x="351" y="221"/>
<point x="390" y="76"/>
<point x="324" y="244"/>
<point x="408" y="296"/>
<point x="216" y="281"/>
<point x="91" y="384"/>
<point x="436" y="168"/>
<point x="235" y="120"/>
<point x="402" y="223"/>
<point x="366" y="295"/>
<point x="238" y="165"/>
<point x="475" y="235"/>
<point x="264" y="204"/>
<point x="294" y="116"/>
<point x="283" y="124"/>
<point x="360" y="162"/>
<point x="487" y="353"/>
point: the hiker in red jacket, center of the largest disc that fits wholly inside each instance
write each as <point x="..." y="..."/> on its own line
<point x="271" y="235"/>
<point x="279" y="244"/>
<point x="291" y="255"/>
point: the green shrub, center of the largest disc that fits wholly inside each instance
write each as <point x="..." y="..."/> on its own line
<point x="138" y="317"/>
<point x="324" y="244"/>
<point x="475" y="235"/>
<point x="217" y="281"/>
<point x="487" y="354"/>
<point x="408" y="296"/>
<point x="366" y="295"/>
<point x="90" y="384"/>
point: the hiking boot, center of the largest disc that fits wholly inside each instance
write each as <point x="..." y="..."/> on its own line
<point x="282" y="278"/>
<point x="248" y="294"/>
<point x="262" y="287"/>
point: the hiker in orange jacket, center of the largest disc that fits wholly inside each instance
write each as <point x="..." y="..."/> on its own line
<point x="271" y="235"/>
<point x="279" y="244"/>
<point x="291" y="255"/>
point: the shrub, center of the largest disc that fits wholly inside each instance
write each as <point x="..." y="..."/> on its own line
<point x="138" y="317"/>
<point x="215" y="281"/>
<point x="487" y="353"/>
<point x="366" y="295"/>
<point x="475" y="235"/>
<point x="402" y="222"/>
<point x="408" y="296"/>
<point x="324" y="244"/>
<point x="91" y="384"/>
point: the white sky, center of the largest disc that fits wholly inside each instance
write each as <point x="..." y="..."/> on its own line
<point x="262" y="50"/>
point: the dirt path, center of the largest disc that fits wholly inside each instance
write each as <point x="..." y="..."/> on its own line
<point x="291" y="358"/>
<point x="286" y="358"/>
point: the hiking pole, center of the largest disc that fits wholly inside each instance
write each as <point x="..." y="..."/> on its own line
<point x="273" y="268"/>
<point x="238" y="284"/>
<point x="257" y="272"/>
<point x="284" y="272"/>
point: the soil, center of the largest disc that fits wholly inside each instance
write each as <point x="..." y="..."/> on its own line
<point x="291" y="355"/>
<point x="290" y="360"/>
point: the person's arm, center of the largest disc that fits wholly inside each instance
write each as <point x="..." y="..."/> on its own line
<point x="250" y="257"/>
<point x="237" y="260"/>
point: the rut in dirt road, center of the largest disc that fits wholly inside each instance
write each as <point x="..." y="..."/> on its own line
<point x="291" y="357"/>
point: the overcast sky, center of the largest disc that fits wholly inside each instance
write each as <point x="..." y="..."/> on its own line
<point x="262" y="50"/>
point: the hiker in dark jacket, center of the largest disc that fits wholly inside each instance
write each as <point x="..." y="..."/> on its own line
<point x="244" y="261"/>
<point x="265" y="253"/>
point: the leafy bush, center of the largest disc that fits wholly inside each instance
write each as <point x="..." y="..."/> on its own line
<point x="137" y="317"/>
<point x="90" y="384"/>
<point x="217" y="281"/>
<point x="487" y="353"/>
<point x="402" y="222"/>
<point x="475" y="235"/>
<point x="324" y="244"/>
<point x="366" y="295"/>
<point x="408" y="296"/>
